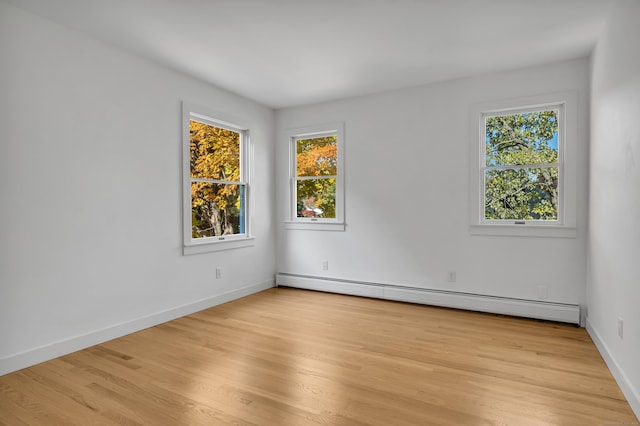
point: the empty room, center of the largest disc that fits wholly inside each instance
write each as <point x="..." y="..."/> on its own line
<point x="296" y="212"/>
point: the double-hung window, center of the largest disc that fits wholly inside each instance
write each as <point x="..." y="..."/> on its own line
<point x="215" y="182"/>
<point x="317" y="176"/>
<point x="521" y="178"/>
<point x="522" y="165"/>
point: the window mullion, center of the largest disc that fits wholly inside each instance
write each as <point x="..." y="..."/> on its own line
<point x="221" y="182"/>
<point x="522" y="166"/>
<point x="316" y="177"/>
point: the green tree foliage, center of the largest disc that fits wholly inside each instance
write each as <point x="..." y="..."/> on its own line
<point x="215" y="206"/>
<point x="316" y="159"/>
<point x="522" y="193"/>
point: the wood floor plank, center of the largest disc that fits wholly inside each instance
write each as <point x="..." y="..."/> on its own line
<point x="295" y="357"/>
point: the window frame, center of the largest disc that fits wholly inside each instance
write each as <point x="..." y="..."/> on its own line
<point x="565" y="224"/>
<point x="215" y="243"/>
<point x="309" y="223"/>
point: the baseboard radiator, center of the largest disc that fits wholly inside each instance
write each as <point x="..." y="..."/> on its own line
<point x="560" y="312"/>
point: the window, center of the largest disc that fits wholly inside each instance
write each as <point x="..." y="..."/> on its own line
<point x="521" y="167"/>
<point x="317" y="190"/>
<point x="215" y="183"/>
<point x="521" y="179"/>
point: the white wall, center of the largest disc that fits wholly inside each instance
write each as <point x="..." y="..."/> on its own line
<point x="90" y="184"/>
<point x="407" y="193"/>
<point x="613" y="289"/>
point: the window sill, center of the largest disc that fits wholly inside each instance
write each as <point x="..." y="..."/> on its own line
<point x="315" y="226"/>
<point x="524" y="231"/>
<point x="212" y="246"/>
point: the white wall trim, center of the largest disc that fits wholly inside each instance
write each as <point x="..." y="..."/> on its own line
<point x="475" y="302"/>
<point x="63" y="347"/>
<point x="629" y="391"/>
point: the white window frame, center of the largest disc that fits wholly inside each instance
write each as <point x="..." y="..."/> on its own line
<point x="308" y="223"/>
<point x="565" y="225"/>
<point x="225" y="242"/>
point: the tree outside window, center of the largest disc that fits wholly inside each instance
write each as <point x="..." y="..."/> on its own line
<point x="316" y="172"/>
<point x="521" y="167"/>
<point x="217" y="190"/>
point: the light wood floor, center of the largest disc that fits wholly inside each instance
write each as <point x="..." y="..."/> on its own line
<point x="294" y="357"/>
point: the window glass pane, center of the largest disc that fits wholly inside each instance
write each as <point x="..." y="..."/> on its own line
<point x="217" y="209"/>
<point x="215" y="152"/>
<point x="316" y="198"/>
<point x="520" y="139"/>
<point x="317" y="156"/>
<point x="522" y="194"/>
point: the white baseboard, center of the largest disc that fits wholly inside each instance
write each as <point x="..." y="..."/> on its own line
<point x="499" y="305"/>
<point x="72" y="344"/>
<point x="629" y="391"/>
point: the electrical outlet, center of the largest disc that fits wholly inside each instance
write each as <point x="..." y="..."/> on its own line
<point x="452" y="277"/>
<point x="325" y="265"/>
<point x="218" y="272"/>
<point x="620" y="327"/>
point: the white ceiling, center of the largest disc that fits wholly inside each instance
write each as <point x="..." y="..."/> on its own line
<point x="292" y="52"/>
